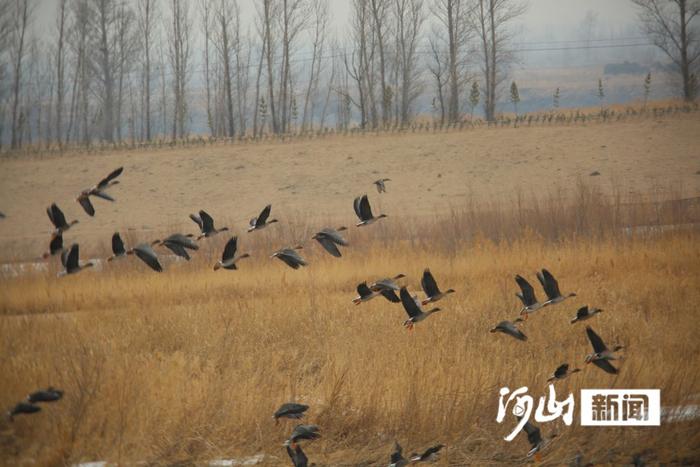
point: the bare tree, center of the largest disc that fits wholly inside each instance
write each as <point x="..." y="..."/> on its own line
<point x="61" y="19"/>
<point x="21" y="16"/>
<point x="674" y="28"/>
<point x="205" y="8"/>
<point x="224" y="19"/>
<point x="269" y="14"/>
<point x="491" y="20"/>
<point x="146" y="14"/>
<point x="293" y="16"/>
<point x="455" y="30"/>
<point x="409" y="19"/>
<point x="380" y="23"/>
<point x="438" y="68"/>
<point x="319" y="33"/>
<point x="179" y="54"/>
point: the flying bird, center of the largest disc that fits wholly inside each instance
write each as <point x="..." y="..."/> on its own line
<point x="509" y="328"/>
<point x="397" y="459"/>
<point x="71" y="261"/>
<point x="290" y="257"/>
<point x="98" y="190"/>
<point x="380" y="184"/>
<point x="364" y="294"/>
<point x="49" y="394"/>
<point x="431" y="289"/>
<point x="585" y="313"/>
<point x="146" y="254"/>
<point x="551" y="288"/>
<point x="601" y="355"/>
<point x="534" y="437"/>
<point x="228" y="257"/>
<point x="303" y="432"/>
<point x="58" y="219"/>
<point x="23" y="408"/>
<point x="562" y="372"/>
<point x="330" y="238"/>
<point x="364" y="211"/>
<point x="260" y="222"/>
<point x="118" y="250"/>
<point x="429" y="455"/>
<point x="291" y="410"/>
<point x="527" y="296"/>
<point x="55" y="245"/>
<point x="413" y="309"/>
<point x="388" y="287"/>
<point x="178" y="244"/>
<point x="206" y="224"/>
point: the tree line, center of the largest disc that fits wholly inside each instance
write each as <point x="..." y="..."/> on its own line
<point x="138" y="70"/>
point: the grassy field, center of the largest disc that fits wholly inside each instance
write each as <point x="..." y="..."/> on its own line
<point x="188" y="365"/>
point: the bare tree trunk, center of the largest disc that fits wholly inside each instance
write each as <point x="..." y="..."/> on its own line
<point x="320" y="9"/>
<point x="256" y="104"/>
<point x="22" y="15"/>
<point x="206" y="21"/>
<point x="224" y="45"/>
<point x="60" y="68"/>
<point x="379" y="16"/>
<point x="145" y="17"/>
<point x="268" y="18"/>
<point x="670" y="26"/>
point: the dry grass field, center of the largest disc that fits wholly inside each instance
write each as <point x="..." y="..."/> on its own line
<point x="188" y="365"/>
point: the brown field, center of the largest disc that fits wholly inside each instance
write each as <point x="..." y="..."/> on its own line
<point x="187" y="366"/>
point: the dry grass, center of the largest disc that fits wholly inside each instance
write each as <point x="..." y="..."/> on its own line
<point x="189" y="365"/>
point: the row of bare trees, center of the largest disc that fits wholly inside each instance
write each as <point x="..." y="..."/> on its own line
<point x="137" y="70"/>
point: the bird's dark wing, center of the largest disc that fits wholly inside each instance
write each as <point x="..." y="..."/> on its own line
<point x="207" y="222"/>
<point x="545" y="285"/>
<point x="103" y="195"/>
<point x="104" y="183"/>
<point x="148" y="256"/>
<point x="356" y="206"/>
<point x="291" y="258"/>
<point x="561" y="370"/>
<point x="49" y="213"/>
<point x="390" y="295"/>
<point x="328" y="244"/>
<point x="230" y="249"/>
<point x="596" y="341"/>
<point x="430" y="451"/>
<point x="117" y="244"/>
<point x="87" y="205"/>
<point x="182" y="240"/>
<point x="297" y="456"/>
<point x="528" y="292"/>
<point x="606" y="366"/>
<point x="196" y="220"/>
<point x="397" y="455"/>
<point x="73" y="258"/>
<point x="334" y="236"/>
<point x="365" y="208"/>
<point x="56" y="216"/>
<point x="428" y="284"/>
<point x="582" y="312"/>
<point x="178" y="249"/>
<point x="363" y="290"/>
<point x="533" y="434"/>
<point x="56" y="243"/>
<point x="409" y="304"/>
<point x="264" y="214"/>
<point x="551" y="282"/>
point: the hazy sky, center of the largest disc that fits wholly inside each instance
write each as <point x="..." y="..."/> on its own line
<point x="544" y="20"/>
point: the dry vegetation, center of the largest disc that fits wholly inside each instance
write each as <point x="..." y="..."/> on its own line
<point x="188" y="365"/>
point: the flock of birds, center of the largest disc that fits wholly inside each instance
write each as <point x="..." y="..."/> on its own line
<point x="330" y="239"/>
